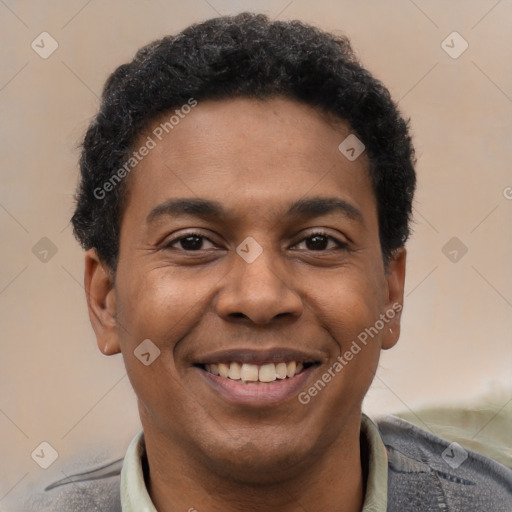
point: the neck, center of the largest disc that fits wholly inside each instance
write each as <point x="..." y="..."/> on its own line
<point x="332" y="481"/>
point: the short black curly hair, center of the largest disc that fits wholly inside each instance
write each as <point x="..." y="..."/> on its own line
<point x="249" y="56"/>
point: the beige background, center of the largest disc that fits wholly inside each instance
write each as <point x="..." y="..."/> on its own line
<point x="55" y="386"/>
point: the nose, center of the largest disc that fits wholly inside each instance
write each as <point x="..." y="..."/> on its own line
<point x="259" y="291"/>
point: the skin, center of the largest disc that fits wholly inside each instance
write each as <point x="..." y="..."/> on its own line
<point x="255" y="158"/>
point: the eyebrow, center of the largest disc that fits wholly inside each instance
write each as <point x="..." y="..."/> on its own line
<point x="316" y="206"/>
<point x="198" y="207"/>
<point x="311" y="207"/>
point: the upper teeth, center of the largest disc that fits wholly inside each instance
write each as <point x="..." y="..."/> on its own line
<point x="253" y="373"/>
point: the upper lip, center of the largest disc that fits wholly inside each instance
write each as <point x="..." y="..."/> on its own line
<point x="262" y="356"/>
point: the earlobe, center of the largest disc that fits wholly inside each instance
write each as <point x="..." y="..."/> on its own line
<point x="101" y="302"/>
<point x="395" y="279"/>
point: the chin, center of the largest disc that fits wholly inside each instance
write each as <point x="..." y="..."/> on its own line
<point x="260" y="460"/>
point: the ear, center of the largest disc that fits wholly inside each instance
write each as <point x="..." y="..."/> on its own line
<point x="395" y="280"/>
<point x="101" y="302"/>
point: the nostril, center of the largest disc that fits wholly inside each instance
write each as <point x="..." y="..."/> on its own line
<point x="239" y="315"/>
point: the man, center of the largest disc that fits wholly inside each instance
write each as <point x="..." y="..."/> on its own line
<point x="245" y="195"/>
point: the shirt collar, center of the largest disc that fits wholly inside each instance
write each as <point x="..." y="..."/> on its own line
<point x="376" y="498"/>
<point x="135" y="497"/>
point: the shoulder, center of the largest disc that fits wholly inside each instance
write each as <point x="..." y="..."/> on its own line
<point x="426" y="472"/>
<point x="94" y="489"/>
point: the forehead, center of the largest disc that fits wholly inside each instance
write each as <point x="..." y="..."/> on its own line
<point x="248" y="154"/>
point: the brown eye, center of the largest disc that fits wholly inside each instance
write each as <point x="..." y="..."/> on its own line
<point x="321" y="242"/>
<point x="317" y="242"/>
<point x="191" y="242"/>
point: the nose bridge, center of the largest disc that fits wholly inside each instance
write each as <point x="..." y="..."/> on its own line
<point x="263" y="273"/>
<point x="258" y="287"/>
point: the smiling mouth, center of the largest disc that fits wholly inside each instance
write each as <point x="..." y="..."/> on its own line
<point x="254" y="373"/>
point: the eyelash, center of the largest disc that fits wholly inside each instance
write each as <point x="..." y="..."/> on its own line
<point x="339" y="243"/>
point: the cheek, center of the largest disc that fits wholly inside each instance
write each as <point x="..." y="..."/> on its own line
<point x="348" y="317"/>
<point x="346" y="303"/>
<point x="348" y="306"/>
<point x="160" y="305"/>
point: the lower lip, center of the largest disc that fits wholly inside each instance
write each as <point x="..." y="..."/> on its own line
<point x="258" y="394"/>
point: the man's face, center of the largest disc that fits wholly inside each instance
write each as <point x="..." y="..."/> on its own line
<point x="248" y="237"/>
